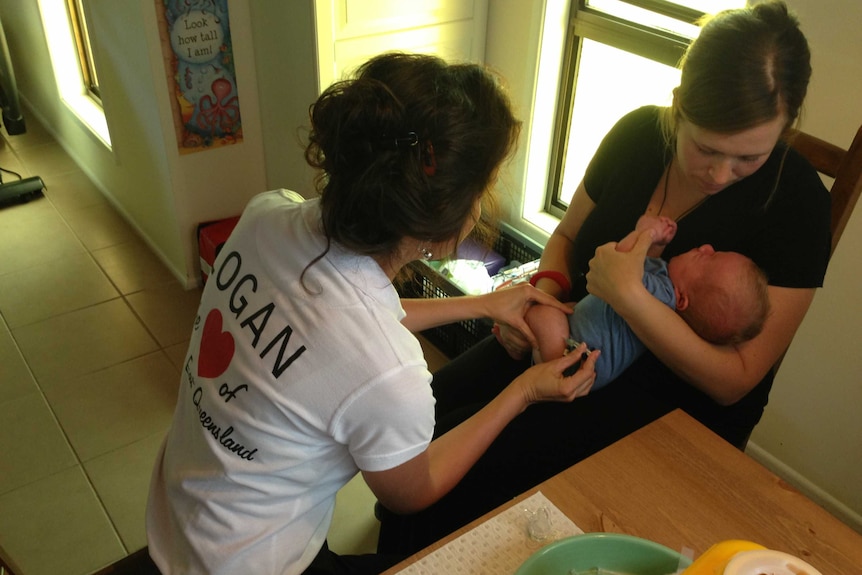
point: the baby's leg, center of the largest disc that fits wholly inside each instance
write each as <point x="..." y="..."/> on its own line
<point x="550" y="326"/>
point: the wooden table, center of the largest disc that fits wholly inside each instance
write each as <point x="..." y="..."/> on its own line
<point x="677" y="483"/>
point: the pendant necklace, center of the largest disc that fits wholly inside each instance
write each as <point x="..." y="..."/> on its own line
<point x="664" y="196"/>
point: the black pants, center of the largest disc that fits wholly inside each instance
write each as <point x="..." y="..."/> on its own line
<point x="328" y="563"/>
<point x="544" y="440"/>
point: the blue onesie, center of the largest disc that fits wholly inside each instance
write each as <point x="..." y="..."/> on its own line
<point x="596" y="323"/>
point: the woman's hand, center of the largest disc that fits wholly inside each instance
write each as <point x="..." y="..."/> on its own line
<point x="546" y="382"/>
<point x="507" y="307"/>
<point x="614" y="275"/>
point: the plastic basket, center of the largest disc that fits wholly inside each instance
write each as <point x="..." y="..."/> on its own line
<point x="456" y="338"/>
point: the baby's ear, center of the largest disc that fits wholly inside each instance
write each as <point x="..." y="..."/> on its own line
<point x="681" y="299"/>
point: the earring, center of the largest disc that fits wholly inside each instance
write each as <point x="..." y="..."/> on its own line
<point x="426" y="253"/>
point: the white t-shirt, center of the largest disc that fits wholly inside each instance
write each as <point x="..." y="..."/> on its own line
<point x="285" y="393"/>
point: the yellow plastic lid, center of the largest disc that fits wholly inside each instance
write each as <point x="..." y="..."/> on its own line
<point x="714" y="560"/>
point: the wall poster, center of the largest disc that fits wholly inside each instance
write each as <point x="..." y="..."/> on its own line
<point x="196" y="45"/>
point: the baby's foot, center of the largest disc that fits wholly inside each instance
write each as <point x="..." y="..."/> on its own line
<point x="665" y="230"/>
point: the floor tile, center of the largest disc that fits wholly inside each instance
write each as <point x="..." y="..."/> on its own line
<point x="83" y="341"/>
<point x="9" y="161"/>
<point x="354" y="528"/>
<point x="114" y="407"/>
<point x="15" y="377"/>
<point x="53" y="288"/>
<point x="168" y="311"/>
<point x="36" y="135"/>
<point x="99" y="226"/>
<point x="72" y="191"/>
<point x="57" y="526"/>
<point x="33" y="444"/>
<point x="122" y="481"/>
<point x="177" y="354"/>
<point x="46" y="159"/>
<point x="132" y="266"/>
<point x="23" y="219"/>
<point x="32" y="234"/>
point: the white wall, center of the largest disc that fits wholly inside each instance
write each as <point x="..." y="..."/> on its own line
<point x="287" y="78"/>
<point x="811" y="433"/>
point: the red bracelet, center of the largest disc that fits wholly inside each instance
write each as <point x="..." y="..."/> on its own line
<point x="554" y="276"/>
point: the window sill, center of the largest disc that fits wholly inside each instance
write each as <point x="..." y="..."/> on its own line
<point x="90" y="114"/>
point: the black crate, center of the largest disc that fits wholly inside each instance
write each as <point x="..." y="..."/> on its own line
<point x="454" y="339"/>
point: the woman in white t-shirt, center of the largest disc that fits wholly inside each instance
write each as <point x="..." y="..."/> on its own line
<point x="302" y="368"/>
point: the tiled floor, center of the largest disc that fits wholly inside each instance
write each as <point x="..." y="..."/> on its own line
<point x="93" y="329"/>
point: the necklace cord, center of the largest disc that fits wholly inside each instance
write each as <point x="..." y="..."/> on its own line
<point x="664" y="196"/>
<point x="664" y="192"/>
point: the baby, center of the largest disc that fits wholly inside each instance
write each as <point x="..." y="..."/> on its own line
<point x="721" y="295"/>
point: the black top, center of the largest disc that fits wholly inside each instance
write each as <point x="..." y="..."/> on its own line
<point x="784" y="229"/>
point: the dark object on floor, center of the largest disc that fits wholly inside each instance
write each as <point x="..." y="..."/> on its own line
<point x="9" y="103"/>
<point x="138" y="563"/>
<point x="25" y="189"/>
<point x="20" y="191"/>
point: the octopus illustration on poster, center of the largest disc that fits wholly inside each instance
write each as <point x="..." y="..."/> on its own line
<point x="196" y="43"/>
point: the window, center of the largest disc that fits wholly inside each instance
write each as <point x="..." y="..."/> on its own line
<point x="616" y="55"/>
<point x="81" y="36"/>
<point x="72" y="59"/>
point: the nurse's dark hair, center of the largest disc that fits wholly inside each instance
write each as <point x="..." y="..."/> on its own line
<point x="405" y="148"/>
<point x="746" y="67"/>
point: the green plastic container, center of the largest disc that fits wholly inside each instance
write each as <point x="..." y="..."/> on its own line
<point x="603" y="553"/>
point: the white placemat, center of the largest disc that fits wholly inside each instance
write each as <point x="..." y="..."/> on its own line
<point x="499" y="545"/>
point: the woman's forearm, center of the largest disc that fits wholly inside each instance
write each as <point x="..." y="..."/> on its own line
<point x="725" y="373"/>
<point x="507" y="306"/>
<point x="718" y="371"/>
<point x="423" y="480"/>
<point x="555" y="257"/>
<point x="428" y="313"/>
<point x="452" y="454"/>
<point x="558" y="249"/>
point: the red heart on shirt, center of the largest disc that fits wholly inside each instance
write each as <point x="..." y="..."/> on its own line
<point x="217" y="347"/>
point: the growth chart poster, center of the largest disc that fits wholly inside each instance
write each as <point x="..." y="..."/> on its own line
<point x="196" y="44"/>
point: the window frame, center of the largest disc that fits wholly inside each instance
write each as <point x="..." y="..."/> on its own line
<point x="81" y="37"/>
<point x="589" y="23"/>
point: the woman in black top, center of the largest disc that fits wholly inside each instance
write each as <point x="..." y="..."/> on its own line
<point x="714" y="161"/>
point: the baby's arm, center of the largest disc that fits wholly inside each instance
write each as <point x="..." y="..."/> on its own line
<point x="664" y="231"/>
<point x="551" y="328"/>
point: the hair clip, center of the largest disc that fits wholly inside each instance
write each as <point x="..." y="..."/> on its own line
<point x="411" y="139"/>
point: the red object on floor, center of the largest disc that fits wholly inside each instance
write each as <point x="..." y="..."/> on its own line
<point x="211" y="238"/>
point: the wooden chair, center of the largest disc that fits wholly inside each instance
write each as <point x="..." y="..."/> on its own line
<point x="845" y="166"/>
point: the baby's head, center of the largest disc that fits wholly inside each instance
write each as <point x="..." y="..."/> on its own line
<point x="721" y="295"/>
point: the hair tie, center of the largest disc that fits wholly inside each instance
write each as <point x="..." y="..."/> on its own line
<point x="429" y="160"/>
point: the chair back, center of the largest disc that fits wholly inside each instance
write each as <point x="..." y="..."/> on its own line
<point x="845" y="166"/>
